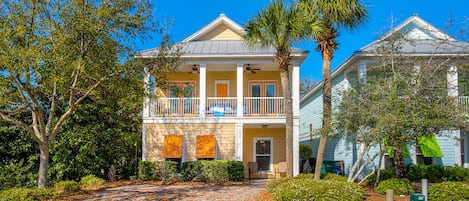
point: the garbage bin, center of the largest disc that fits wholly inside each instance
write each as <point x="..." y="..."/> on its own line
<point x="417" y="197"/>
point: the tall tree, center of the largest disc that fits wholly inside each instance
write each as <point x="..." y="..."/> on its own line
<point x="54" y="54"/>
<point x="405" y="97"/>
<point x="334" y="15"/>
<point x="280" y="25"/>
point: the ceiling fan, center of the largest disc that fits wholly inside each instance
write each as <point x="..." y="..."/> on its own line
<point x="250" y="69"/>
<point x="195" y="69"/>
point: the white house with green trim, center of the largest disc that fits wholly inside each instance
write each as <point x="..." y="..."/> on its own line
<point x="448" y="149"/>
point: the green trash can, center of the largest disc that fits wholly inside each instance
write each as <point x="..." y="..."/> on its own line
<point x="417" y="197"/>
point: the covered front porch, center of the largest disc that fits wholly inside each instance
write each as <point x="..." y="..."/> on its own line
<point x="263" y="149"/>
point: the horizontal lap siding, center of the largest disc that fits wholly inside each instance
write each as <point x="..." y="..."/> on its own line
<point x="447" y="145"/>
<point x="224" y="136"/>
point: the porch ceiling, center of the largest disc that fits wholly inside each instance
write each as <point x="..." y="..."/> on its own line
<point x="228" y="67"/>
<point x="266" y="125"/>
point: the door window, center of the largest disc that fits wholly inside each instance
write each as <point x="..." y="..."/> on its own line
<point x="263" y="153"/>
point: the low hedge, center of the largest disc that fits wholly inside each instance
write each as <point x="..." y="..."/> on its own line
<point x="384" y="174"/>
<point x="309" y="189"/>
<point x="334" y="177"/>
<point x="448" y="191"/>
<point x="400" y="186"/>
<point x="434" y="173"/>
<point x="159" y="170"/>
<point x="437" y="173"/>
<point x="91" y="180"/>
<point x="28" y="194"/>
<point x="67" y="185"/>
<point x="212" y="171"/>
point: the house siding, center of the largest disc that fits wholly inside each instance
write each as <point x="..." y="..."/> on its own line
<point x="224" y="136"/>
<point x="221" y="32"/>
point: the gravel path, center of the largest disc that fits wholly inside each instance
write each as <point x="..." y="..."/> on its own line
<point x="183" y="192"/>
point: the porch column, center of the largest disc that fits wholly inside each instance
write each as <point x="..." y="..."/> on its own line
<point x="362" y="72"/>
<point x="239" y="90"/>
<point x="146" y="107"/>
<point x="296" y="90"/>
<point x="202" y="89"/>
<point x="146" y="90"/>
<point x="239" y="142"/>
<point x="452" y="79"/>
<point x="296" y="117"/>
<point x="296" y="146"/>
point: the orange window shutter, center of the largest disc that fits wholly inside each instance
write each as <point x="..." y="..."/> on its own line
<point x="205" y="146"/>
<point x="172" y="147"/>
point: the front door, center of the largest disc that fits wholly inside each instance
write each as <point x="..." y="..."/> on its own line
<point x="263" y="151"/>
<point x="221" y="89"/>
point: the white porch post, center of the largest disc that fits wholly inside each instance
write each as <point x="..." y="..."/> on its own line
<point x="362" y="72"/>
<point x="239" y="142"/>
<point x="239" y="90"/>
<point x="296" y="118"/>
<point x="146" y="107"/>
<point x="452" y="79"/>
<point x="146" y="90"/>
<point x="202" y="89"/>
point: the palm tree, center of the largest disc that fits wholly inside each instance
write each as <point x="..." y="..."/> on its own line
<point x="334" y="15"/>
<point x="280" y="25"/>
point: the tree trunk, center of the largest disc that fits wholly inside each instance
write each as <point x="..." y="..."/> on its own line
<point x="326" y="106"/>
<point x="43" y="165"/>
<point x="288" y="121"/>
<point x="398" y="159"/>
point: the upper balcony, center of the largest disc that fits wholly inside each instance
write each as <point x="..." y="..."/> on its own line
<point x="217" y="107"/>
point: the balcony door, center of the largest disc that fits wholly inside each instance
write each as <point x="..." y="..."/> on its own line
<point x="221" y="88"/>
<point x="181" y="94"/>
<point x="262" y="93"/>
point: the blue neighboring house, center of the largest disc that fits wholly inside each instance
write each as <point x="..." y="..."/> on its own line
<point x="453" y="144"/>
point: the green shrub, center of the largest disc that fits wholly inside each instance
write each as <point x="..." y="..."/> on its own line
<point x="276" y="182"/>
<point x="434" y="173"/>
<point x="28" y="194"/>
<point x="67" y="185"/>
<point x="212" y="171"/>
<point x="456" y="173"/>
<point x="166" y="171"/>
<point x="190" y="171"/>
<point x="448" y="191"/>
<point x="91" y="180"/>
<point x="334" y="177"/>
<point x="324" y="190"/>
<point x="215" y="171"/>
<point x="305" y="151"/>
<point x="384" y="174"/>
<point x="400" y="186"/>
<point x="236" y="170"/>
<point x="304" y="176"/>
<point x="14" y="175"/>
<point x="146" y="170"/>
<point x="158" y="170"/>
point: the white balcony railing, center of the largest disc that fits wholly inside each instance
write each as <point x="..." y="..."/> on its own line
<point x="221" y="106"/>
<point x="464" y="103"/>
<point x="216" y="107"/>
<point x="162" y="107"/>
<point x="264" y="106"/>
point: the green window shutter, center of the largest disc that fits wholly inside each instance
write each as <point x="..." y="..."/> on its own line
<point x="429" y="146"/>
<point x="404" y="150"/>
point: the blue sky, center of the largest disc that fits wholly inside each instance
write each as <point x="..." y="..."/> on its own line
<point x="189" y="16"/>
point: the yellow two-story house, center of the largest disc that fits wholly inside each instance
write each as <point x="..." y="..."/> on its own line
<point x="225" y="102"/>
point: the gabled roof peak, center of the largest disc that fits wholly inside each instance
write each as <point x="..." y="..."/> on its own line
<point x="416" y="29"/>
<point x="221" y="19"/>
